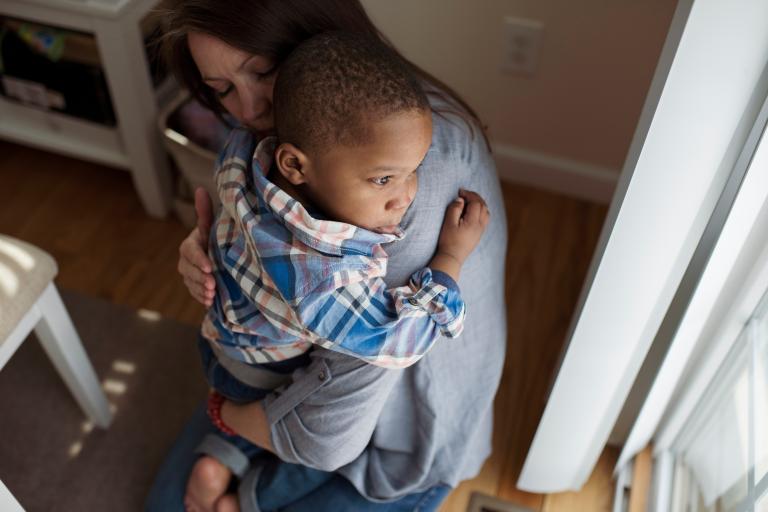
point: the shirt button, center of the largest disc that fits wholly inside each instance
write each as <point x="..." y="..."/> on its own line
<point x="321" y="376"/>
<point x="413" y="301"/>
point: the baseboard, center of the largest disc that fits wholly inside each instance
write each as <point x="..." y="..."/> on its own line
<point x="555" y="174"/>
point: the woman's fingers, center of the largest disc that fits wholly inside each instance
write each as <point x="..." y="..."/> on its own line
<point x="192" y="250"/>
<point x="204" y="211"/>
<point x="198" y="292"/>
<point x="195" y="267"/>
<point x="200" y="285"/>
<point x="194" y="274"/>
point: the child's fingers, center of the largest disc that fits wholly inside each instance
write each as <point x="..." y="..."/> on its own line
<point x="470" y="196"/>
<point x="472" y="212"/>
<point x="454" y="211"/>
<point x="485" y="215"/>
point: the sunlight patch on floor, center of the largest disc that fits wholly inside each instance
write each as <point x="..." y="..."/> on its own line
<point x="149" y="315"/>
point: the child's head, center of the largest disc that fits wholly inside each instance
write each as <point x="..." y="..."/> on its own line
<point x="353" y="126"/>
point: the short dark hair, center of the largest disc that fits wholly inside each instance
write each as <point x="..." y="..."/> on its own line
<point x="334" y="85"/>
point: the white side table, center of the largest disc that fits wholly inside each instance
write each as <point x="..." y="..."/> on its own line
<point x="135" y="144"/>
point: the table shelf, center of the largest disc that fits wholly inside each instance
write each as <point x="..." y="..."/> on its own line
<point x="135" y="143"/>
<point x="63" y="134"/>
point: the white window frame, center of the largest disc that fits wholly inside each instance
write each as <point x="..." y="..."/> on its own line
<point x="756" y="485"/>
<point x="729" y="291"/>
<point x="698" y="115"/>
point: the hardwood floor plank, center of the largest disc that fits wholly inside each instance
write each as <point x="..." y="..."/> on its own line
<point x="641" y="480"/>
<point x="595" y="496"/>
<point x="90" y="219"/>
<point x="551" y="240"/>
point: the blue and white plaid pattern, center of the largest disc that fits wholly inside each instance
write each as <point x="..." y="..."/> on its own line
<point x="286" y="280"/>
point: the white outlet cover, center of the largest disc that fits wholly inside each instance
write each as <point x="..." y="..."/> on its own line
<point x="521" y="45"/>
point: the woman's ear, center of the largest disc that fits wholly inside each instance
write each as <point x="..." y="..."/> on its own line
<point x="292" y="163"/>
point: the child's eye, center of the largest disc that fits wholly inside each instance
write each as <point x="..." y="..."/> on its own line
<point x="381" y="181"/>
<point x="222" y="94"/>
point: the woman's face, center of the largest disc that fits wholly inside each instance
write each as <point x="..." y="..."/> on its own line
<point x="243" y="82"/>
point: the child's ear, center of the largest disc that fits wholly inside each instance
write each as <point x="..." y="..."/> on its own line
<point x="291" y="162"/>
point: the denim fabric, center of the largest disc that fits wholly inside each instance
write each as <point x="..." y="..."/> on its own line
<point x="283" y="487"/>
<point x="222" y="381"/>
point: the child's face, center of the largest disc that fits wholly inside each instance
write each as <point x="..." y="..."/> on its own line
<point x="370" y="185"/>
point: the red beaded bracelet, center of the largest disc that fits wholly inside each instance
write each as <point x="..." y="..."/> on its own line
<point x="215" y="401"/>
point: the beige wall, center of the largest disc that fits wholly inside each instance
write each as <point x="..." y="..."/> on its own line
<point x="596" y="63"/>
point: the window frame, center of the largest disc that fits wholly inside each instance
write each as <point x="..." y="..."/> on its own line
<point x="733" y="288"/>
<point x="700" y="110"/>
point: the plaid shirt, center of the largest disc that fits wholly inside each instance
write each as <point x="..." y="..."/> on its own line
<point x="286" y="280"/>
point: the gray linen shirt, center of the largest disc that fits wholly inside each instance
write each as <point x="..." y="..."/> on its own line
<point x="396" y="432"/>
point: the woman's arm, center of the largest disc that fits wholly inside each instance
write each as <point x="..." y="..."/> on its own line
<point x="323" y="420"/>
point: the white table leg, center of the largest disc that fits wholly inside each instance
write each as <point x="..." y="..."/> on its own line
<point x="60" y="340"/>
<point x="134" y="100"/>
<point x="7" y="502"/>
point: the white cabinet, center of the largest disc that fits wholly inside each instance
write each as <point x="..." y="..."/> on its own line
<point x="135" y="143"/>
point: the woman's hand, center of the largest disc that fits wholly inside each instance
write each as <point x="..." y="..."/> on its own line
<point x="194" y="265"/>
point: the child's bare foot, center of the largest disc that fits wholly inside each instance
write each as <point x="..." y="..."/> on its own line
<point x="207" y="483"/>
<point x="227" y="503"/>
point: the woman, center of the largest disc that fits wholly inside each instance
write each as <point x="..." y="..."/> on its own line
<point x="379" y="439"/>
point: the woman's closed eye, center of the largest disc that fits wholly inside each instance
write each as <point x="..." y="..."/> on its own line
<point x="222" y="94"/>
<point x="262" y="75"/>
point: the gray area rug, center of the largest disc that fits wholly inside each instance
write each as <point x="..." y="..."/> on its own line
<point x="49" y="459"/>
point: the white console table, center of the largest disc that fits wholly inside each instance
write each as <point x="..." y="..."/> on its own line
<point x="135" y="144"/>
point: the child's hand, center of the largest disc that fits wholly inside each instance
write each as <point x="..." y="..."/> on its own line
<point x="465" y="221"/>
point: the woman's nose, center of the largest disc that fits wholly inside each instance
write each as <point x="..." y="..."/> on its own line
<point x="249" y="104"/>
<point x="247" y="108"/>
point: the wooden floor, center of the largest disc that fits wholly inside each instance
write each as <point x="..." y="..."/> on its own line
<point x="90" y="219"/>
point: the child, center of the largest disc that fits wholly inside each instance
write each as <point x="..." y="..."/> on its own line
<point x="297" y="247"/>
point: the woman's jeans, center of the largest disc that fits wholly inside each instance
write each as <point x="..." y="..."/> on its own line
<point x="281" y="486"/>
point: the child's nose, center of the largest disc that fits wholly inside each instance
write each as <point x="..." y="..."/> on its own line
<point x="400" y="202"/>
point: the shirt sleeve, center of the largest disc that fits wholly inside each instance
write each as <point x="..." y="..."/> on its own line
<point x="326" y="418"/>
<point x="392" y="328"/>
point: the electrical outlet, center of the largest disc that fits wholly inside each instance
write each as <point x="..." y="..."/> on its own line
<point x="522" y="43"/>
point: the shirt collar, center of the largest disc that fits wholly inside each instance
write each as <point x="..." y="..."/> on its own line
<point x="331" y="237"/>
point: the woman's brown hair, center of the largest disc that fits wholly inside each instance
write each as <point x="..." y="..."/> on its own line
<point x="272" y="29"/>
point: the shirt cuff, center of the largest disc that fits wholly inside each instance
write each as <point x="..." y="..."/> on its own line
<point x="444" y="279"/>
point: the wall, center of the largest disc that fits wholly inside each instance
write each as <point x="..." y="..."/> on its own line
<point x="569" y="126"/>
